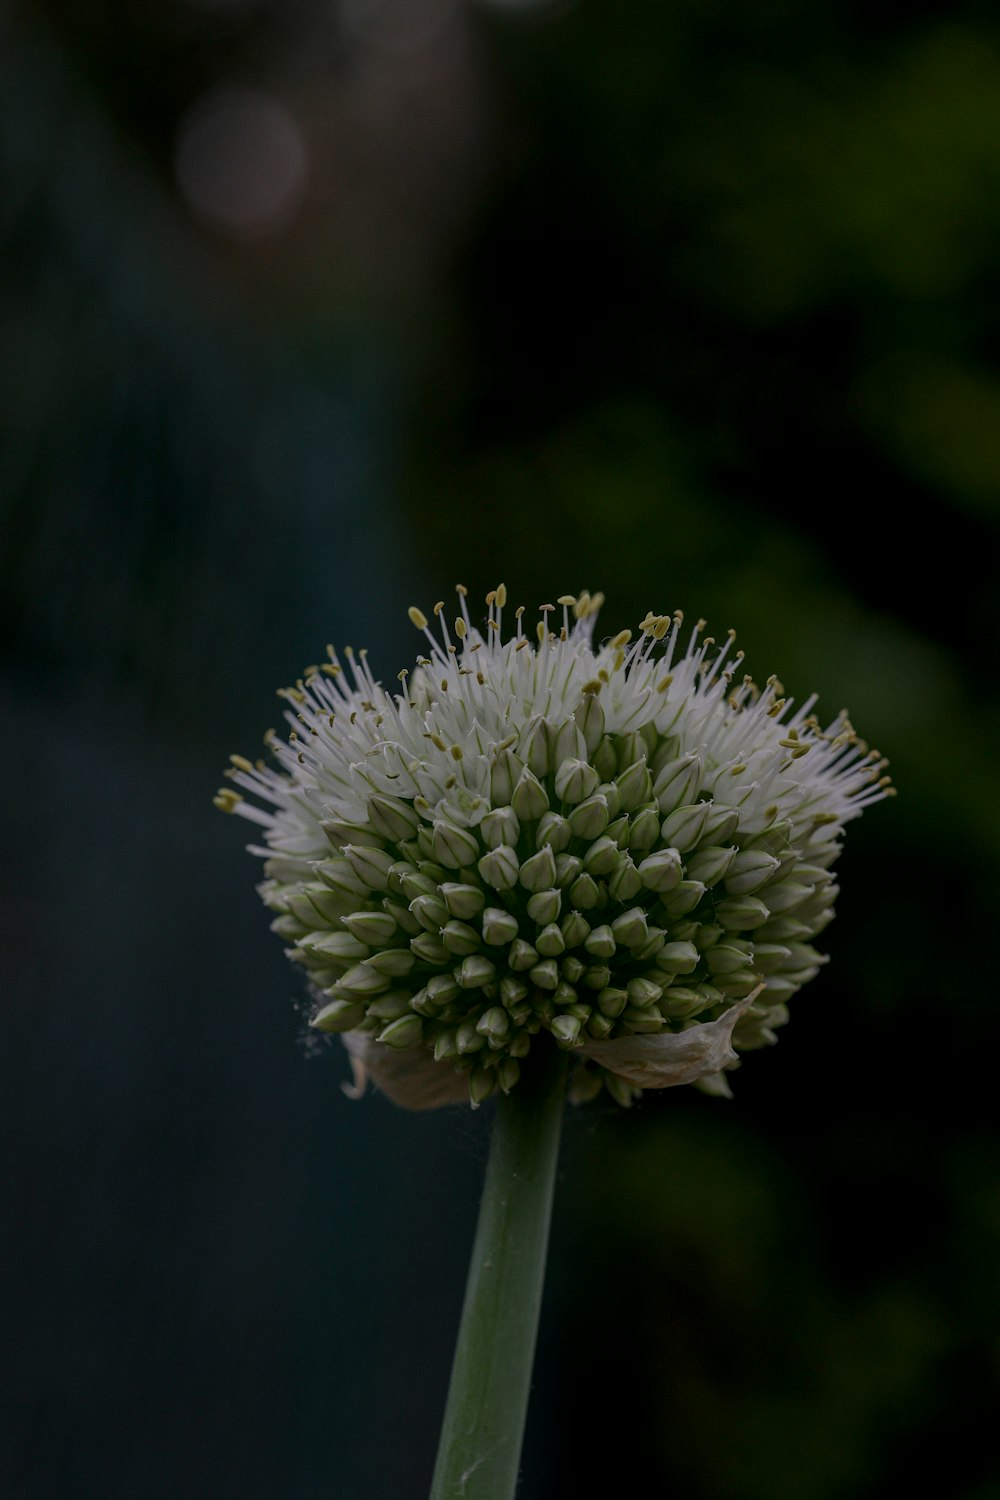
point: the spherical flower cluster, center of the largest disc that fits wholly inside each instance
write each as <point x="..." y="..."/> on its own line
<point x="627" y="847"/>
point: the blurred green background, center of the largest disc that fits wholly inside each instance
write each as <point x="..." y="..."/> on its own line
<point x="307" y="312"/>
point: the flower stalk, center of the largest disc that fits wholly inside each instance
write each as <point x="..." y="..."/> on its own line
<point x="480" y="1445"/>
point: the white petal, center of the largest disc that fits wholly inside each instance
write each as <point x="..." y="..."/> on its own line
<point x="410" y="1077"/>
<point x="660" y="1062"/>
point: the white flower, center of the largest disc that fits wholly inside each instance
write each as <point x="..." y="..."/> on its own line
<point x="628" y="847"/>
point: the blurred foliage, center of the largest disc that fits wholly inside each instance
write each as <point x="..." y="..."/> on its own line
<point x="699" y="305"/>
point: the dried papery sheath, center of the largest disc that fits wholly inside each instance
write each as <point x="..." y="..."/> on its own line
<point x="628" y="846"/>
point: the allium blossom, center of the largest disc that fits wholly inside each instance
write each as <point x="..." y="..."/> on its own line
<point x="628" y="846"/>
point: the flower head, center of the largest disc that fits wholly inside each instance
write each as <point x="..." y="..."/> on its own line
<point x="627" y="846"/>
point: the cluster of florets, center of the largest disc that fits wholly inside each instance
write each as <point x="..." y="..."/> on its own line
<point x="627" y="848"/>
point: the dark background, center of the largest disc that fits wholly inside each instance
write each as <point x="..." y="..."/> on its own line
<point x="307" y="312"/>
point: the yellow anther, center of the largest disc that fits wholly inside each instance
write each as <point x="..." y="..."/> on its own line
<point x="660" y="628"/>
<point x="456" y="752"/>
<point x="417" y="617"/>
<point x="241" y="763"/>
<point x="567" y="599"/>
<point x="227" y="800"/>
<point x="461" y="629"/>
<point x="621" y="639"/>
<point x="491" y="597"/>
<point x="461" y="589"/>
<point x="664" y="682"/>
<point x="439" y="606"/>
<point x="501" y="595"/>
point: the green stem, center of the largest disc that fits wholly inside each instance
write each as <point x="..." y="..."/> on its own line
<point x="480" y="1446"/>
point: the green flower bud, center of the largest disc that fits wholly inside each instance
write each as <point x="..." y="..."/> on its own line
<point x="661" y="871"/>
<point x="677" y="783"/>
<point x="575" y="929"/>
<point x="635" y="786"/>
<point x="679" y="1002"/>
<point x="683" y="898"/>
<point x="500" y="868"/>
<point x="463" y="901"/>
<point x="741" y="913"/>
<point x="605" y="759"/>
<point x="644" y="830"/>
<point x="362" y="980"/>
<point x="504" y="775"/>
<point x="589" y="716"/>
<point x="468" y="1039"/>
<point x="393" y="961"/>
<point x="575" y="781"/>
<point x="418" y="884"/>
<point x="408" y="1031"/>
<point x="709" y="863"/>
<point x="430" y="912"/>
<point x="371" y="866"/>
<point x="585" y="893"/>
<point x="590" y="818"/>
<point x="535" y="749"/>
<point x="554" y="830"/>
<point x="601" y="942"/>
<point x="751" y="869"/>
<point x="597" y="977"/>
<point x="454" y="847"/>
<point x="521" y="956"/>
<point x="370" y="926"/>
<point x="544" y="907"/>
<point x="442" y="988"/>
<point x="446" y="1044"/>
<point x="429" y="947"/>
<point x="335" y="945"/>
<point x="494" y="1024"/>
<point x="501" y="826"/>
<point x="601" y="857"/>
<point x="530" y="799"/>
<point x="572" y="969"/>
<point x="390" y="1006"/>
<point x="508" y="1073"/>
<point x="481" y="1086"/>
<point x="499" y="927"/>
<point x="512" y="991"/>
<point x="341" y="831"/>
<point x="538" y="873"/>
<point x="678" y="958"/>
<point x="545" y="974"/>
<point x="566" y="1030"/>
<point x="339" y="1015"/>
<point x="786" y="895"/>
<point x="475" y="971"/>
<point x="684" y="827"/>
<point x="459" y="938"/>
<point x="611" y="1001"/>
<point x="624" y="881"/>
<point x="392" y="818"/>
<point x="643" y="992"/>
<point x="725" y="958"/>
<point x="630" y="928"/>
<point x="550" y="942"/>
